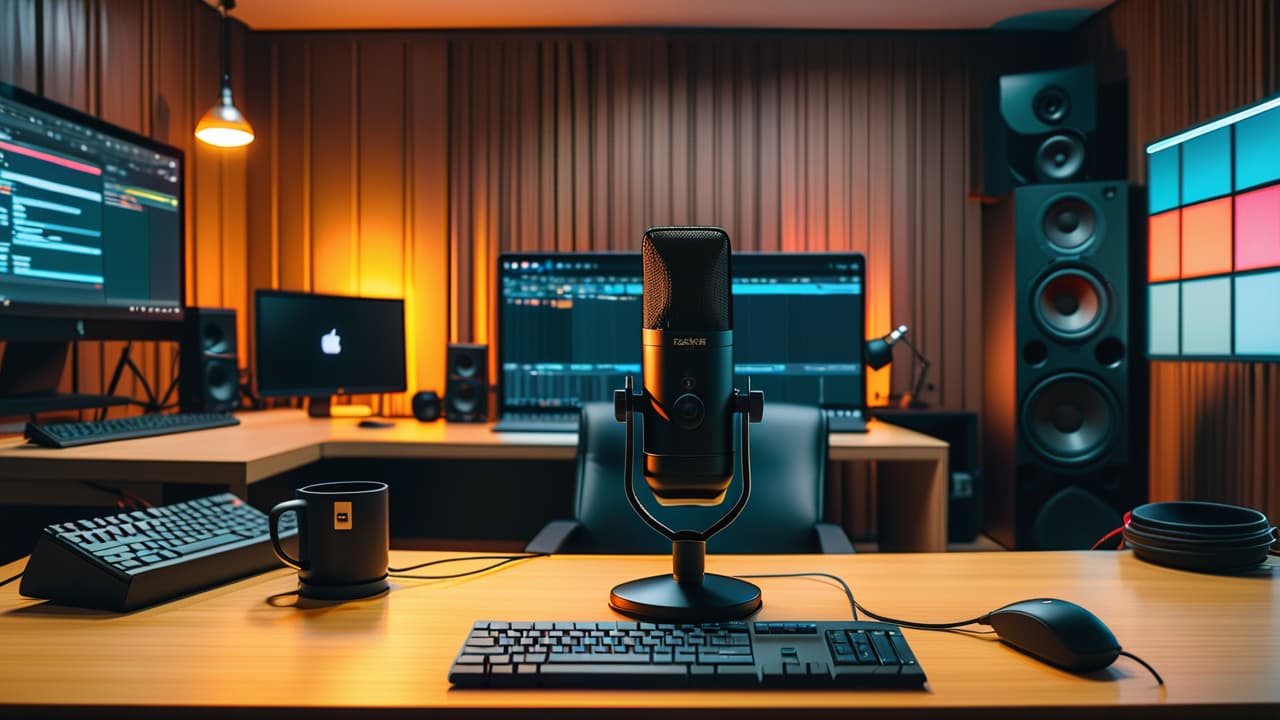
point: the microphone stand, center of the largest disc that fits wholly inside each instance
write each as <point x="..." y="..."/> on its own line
<point x="688" y="594"/>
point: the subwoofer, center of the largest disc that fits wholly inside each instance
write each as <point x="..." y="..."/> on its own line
<point x="1063" y="438"/>
<point x="466" y="394"/>
<point x="209" y="373"/>
<point x="1040" y="128"/>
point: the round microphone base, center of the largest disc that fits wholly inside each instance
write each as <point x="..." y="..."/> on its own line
<point x="661" y="598"/>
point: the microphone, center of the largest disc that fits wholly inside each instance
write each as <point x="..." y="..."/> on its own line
<point x="688" y="365"/>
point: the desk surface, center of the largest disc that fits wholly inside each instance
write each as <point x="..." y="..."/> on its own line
<point x="268" y="443"/>
<point x="1216" y="641"/>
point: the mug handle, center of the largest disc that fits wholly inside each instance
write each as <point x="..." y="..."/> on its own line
<point x="273" y="524"/>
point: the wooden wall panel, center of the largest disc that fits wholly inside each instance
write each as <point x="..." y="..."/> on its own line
<point x="1215" y="427"/>
<point x="789" y="141"/>
<point x="151" y="66"/>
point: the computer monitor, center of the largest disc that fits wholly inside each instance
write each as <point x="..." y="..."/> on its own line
<point x="91" y="238"/>
<point x="318" y="346"/>
<point x="569" y="327"/>
<point x="1213" y="276"/>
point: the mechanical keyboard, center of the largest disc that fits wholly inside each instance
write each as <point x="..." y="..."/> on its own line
<point x="740" y="654"/>
<point x="128" y="560"/>
<point x="70" y="434"/>
<point x="537" y="422"/>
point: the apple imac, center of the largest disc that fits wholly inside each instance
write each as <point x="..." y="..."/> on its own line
<point x="318" y="346"/>
<point x="91" y="243"/>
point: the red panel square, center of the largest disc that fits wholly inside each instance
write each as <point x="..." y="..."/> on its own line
<point x="1164" y="233"/>
<point x="1258" y="229"/>
<point x="1206" y="238"/>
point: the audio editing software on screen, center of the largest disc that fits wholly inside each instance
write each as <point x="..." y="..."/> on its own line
<point x="1214" y="239"/>
<point x="569" y="327"/>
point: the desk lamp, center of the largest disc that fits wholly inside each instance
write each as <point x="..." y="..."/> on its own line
<point x="879" y="352"/>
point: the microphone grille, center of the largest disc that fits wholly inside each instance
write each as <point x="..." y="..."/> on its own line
<point x="686" y="279"/>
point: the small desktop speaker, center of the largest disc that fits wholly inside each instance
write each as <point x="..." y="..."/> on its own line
<point x="426" y="406"/>
<point x="209" y="373"/>
<point x="466" y="393"/>
<point x="1040" y="128"/>
<point x="1063" y="413"/>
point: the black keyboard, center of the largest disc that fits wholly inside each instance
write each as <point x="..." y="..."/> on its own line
<point x="846" y="420"/>
<point x="132" y="559"/>
<point x="537" y="422"/>
<point x="848" y="654"/>
<point x="70" y="434"/>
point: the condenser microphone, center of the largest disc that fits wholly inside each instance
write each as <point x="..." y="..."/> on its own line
<point x="688" y="365"/>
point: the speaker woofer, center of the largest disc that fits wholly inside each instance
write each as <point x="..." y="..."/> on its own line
<point x="464" y="366"/>
<point x="1070" y="224"/>
<point x="1051" y="105"/>
<point x="221" y="381"/>
<point x="1069" y="304"/>
<point x="1060" y="157"/>
<point x="1070" y="418"/>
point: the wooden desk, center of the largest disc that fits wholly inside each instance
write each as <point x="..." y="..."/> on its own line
<point x="1216" y="641"/>
<point x="911" y="493"/>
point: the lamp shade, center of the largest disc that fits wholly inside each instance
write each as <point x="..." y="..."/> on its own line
<point x="224" y="125"/>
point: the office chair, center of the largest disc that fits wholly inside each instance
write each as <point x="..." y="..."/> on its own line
<point x="783" y="515"/>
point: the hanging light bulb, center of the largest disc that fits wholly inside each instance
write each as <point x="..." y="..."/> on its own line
<point x="224" y="125"/>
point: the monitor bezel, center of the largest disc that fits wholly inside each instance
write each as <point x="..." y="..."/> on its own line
<point x="58" y="322"/>
<point x="259" y="294"/>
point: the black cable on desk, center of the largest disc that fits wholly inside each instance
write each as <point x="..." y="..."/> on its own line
<point x="504" y="559"/>
<point x="6" y="581"/>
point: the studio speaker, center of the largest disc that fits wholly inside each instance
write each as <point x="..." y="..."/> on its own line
<point x="1063" y="409"/>
<point x="466" y="394"/>
<point x="209" y="373"/>
<point x="1040" y="128"/>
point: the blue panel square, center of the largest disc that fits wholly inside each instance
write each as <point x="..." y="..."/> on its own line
<point x="1258" y="149"/>
<point x="1206" y="166"/>
<point x="1162" y="328"/>
<point x="1206" y="317"/>
<point x="1162" y="180"/>
<point x="1257" y="304"/>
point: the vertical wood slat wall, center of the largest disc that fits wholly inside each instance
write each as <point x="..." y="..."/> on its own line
<point x="151" y="66"/>
<point x="1215" y="427"/>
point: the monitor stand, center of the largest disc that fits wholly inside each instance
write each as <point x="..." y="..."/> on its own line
<point x="318" y="406"/>
<point x="29" y="375"/>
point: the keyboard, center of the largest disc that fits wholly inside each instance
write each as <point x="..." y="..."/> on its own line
<point x="129" y="560"/>
<point x="846" y="420"/>
<point x="70" y="434"/>
<point x="741" y="654"/>
<point x="537" y="422"/>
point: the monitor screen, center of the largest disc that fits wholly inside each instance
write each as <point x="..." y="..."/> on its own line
<point x="91" y="222"/>
<point x="569" y="327"/>
<point x="1213" y="275"/>
<point x="320" y="345"/>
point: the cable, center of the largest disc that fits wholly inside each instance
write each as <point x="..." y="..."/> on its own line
<point x="1107" y="537"/>
<point x="853" y="604"/>
<point x="505" y="559"/>
<point x="6" y="581"/>
<point x="922" y="625"/>
<point x="1143" y="663"/>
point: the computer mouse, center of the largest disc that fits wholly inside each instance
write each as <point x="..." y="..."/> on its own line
<point x="1058" y="632"/>
<point x="375" y="424"/>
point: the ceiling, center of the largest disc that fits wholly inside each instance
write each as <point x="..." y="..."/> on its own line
<point x="789" y="14"/>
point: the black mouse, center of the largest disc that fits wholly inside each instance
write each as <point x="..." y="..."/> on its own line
<point x="375" y="424"/>
<point x="1058" y="632"/>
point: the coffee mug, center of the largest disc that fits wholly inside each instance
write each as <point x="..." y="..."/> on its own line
<point x="343" y="539"/>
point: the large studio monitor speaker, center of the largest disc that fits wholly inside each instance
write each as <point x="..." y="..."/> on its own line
<point x="466" y="393"/>
<point x="1040" y="128"/>
<point x="1062" y="413"/>
<point x="209" y="373"/>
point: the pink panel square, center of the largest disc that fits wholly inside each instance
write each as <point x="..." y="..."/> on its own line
<point x="1258" y="229"/>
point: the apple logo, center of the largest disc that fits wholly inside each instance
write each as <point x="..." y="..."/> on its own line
<point x="331" y="343"/>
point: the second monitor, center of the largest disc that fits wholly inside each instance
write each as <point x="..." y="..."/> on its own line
<point x="569" y="331"/>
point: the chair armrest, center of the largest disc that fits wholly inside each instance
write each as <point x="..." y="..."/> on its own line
<point x="554" y="536"/>
<point x="832" y="539"/>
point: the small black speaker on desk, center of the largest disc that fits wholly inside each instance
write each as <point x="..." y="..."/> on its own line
<point x="466" y="393"/>
<point x="209" y="373"/>
<point x="959" y="428"/>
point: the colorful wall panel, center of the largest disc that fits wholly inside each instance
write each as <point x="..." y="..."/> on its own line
<point x="1214" y="231"/>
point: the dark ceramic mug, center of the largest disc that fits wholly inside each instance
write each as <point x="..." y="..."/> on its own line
<point x="343" y="539"/>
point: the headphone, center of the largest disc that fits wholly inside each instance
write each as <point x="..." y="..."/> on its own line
<point x="1199" y="536"/>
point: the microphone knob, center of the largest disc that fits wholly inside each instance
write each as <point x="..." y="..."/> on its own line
<point x="689" y="411"/>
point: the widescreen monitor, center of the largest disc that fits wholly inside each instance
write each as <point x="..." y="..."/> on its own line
<point x="310" y="345"/>
<point x="1214" y="239"/>
<point x="569" y="327"/>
